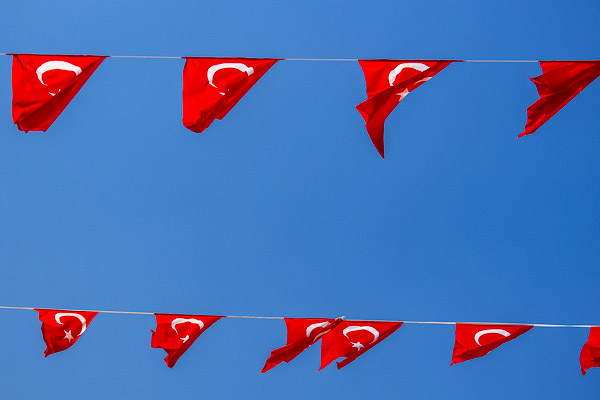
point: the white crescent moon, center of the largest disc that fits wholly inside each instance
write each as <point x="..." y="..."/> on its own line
<point x="178" y="321"/>
<point x="374" y="331"/>
<point x="317" y="325"/>
<point x="50" y="65"/>
<point x="80" y="317"/>
<point x="479" y="334"/>
<point x="210" y="74"/>
<point x="417" y="66"/>
<point x="314" y="326"/>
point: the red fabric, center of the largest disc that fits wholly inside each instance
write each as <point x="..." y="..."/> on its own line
<point x="388" y="82"/>
<point x="301" y="334"/>
<point x="590" y="352"/>
<point x="213" y="86"/>
<point x="175" y="333"/>
<point x="44" y="85"/>
<point x="559" y="83"/>
<point x="474" y="340"/>
<point x="62" y="328"/>
<point x="351" y="339"/>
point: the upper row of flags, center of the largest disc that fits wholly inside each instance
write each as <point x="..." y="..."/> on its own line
<point x="43" y="86"/>
<point x="340" y="338"/>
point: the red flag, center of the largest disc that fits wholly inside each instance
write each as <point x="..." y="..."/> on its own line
<point x="62" y="328"/>
<point x="475" y="340"/>
<point x="388" y="82"/>
<point x="559" y="83"/>
<point x="351" y="339"/>
<point x="43" y="85"/>
<point x="213" y="86"/>
<point x="590" y="352"/>
<point x="176" y="333"/>
<point x="301" y="334"/>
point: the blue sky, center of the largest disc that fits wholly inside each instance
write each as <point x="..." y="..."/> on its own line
<point x="285" y="208"/>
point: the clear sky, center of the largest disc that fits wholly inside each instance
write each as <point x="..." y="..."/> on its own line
<point x="285" y="208"/>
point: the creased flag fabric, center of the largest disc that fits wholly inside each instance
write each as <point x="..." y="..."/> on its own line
<point x="301" y="334"/>
<point x="388" y="83"/>
<point x="213" y="86"/>
<point x="590" y="352"/>
<point x="62" y="328"/>
<point x="175" y="333"/>
<point x="43" y="86"/>
<point x="559" y="83"/>
<point x="351" y="339"/>
<point x="476" y="340"/>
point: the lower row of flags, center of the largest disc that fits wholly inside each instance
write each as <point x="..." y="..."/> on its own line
<point x="340" y="338"/>
<point x="43" y="86"/>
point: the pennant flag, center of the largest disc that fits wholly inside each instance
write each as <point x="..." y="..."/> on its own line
<point x="301" y="334"/>
<point x="351" y="339"/>
<point x="475" y="340"/>
<point x="559" y="83"/>
<point x="175" y="333"/>
<point x="213" y="86"/>
<point x="590" y="352"/>
<point x="62" y="328"/>
<point x="43" y="85"/>
<point x="388" y="83"/>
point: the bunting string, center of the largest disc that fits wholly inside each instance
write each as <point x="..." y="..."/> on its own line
<point x="374" y="320"/>
<point x="175" y="333"/>
<point x="33" y="110"/>
<point x="299" y="59"/>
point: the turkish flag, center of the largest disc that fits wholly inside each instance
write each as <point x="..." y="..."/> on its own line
<point x="351" y="339"/>
<point x="43" y="85"/>
<point x="476" y="340"/>
<point x="590" y="352"/>
<point x="175" y="333"/>
<point x="559" y="83"/>
<point x="301" y="334"/>
<point x="213" y="86"/>
<point x="388" y="83"/>
<point x="62" y="328"/>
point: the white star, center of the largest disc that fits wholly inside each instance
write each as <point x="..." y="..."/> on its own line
<point x="358" y="345"/>
<point x="185" y="339"/>
<point x="68" y="336"/>
<point x="403" y="94"/>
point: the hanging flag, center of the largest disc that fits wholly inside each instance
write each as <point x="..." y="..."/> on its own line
<point x="62" y="328"/>
<point x="175" y="333"/>
<point x="475" y="340"/>
<point x="559" y="83"/>
<point x="351" y="339"/>
<point x="213" y="86"/>
<point x="590" y="352"/>
<point x="301" y="334"/>
<point x="388" y="83"/>
<point x="43" y="85"/>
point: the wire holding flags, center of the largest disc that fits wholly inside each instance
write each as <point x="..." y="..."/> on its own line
<point x="43" y="86"/>
<point x="341" y="337"/>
